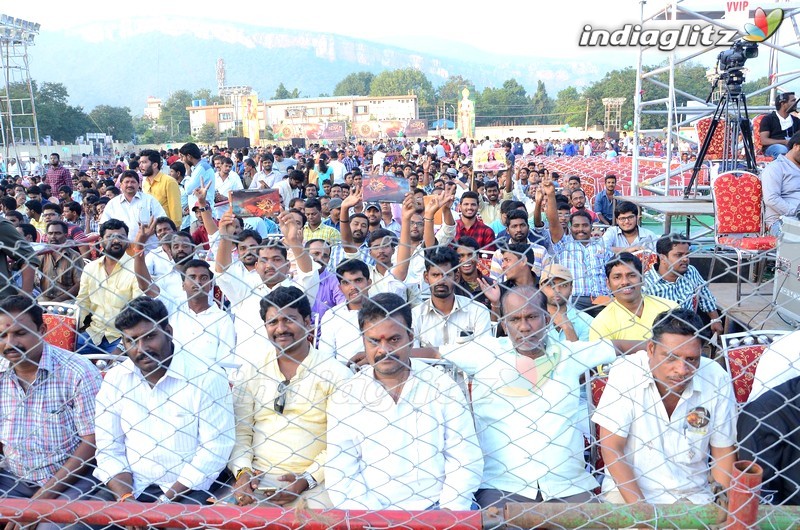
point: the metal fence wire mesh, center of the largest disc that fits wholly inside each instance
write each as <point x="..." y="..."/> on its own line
<point x="469" y="347"/>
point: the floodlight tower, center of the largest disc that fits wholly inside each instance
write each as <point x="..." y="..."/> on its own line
<point x="18" y="123"/>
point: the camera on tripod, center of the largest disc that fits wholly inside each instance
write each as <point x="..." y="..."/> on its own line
<point x="730" y="63"/>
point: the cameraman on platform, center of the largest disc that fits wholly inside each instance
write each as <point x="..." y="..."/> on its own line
<point x="777" y="127"/>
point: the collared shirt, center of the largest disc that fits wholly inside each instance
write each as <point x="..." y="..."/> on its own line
<point x="586" y="262"/>
<point x="490" y="214"/>
<point x="323" y="231"/>
<point x="270" y="179"/>
<point x="340" y="335"/>
<point x="60" y="271"/>
<point x="605" y="206"/>
<point x="182" y="429"/>
<point x="614" y="238"/>
<point x="350" y="164"/>
<point x="338" y="255"/>
<point x="690" y="290"/>
<point x="105" y="295"/>
<point x="669" y="455"/>
<point x="57" y="177"/>
<point x="479" y="232"/>
<point x="616" y="322"/>
<point x="207" y="336"/>
<point x="393" y="226"/>
<point x="159" y="263"/>
<point x="202" y="174"/>
<point x="406" y="455"/>
<point x="328" y="294"/>
<point x="41" y="427"/>
<point x="581" y="323"/>
<point x="168" y="194"/>
<point x="433" y="329"/>
<point x="292" y="442"/>
<point x="232" y="183"/>
<point x="140" y="209"/>
<point x="530" y="432"/>
<point x="287" y="192"/>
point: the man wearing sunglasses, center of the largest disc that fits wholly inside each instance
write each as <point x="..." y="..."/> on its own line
<point x="280" y="407"/>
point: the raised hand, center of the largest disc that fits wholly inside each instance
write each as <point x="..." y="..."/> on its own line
<point x="409" y="208"/>
<point x="291" y="229"/>
<point x="200" y="193"/>
<point x="356" y="197"/>
<point x="145" y="232"/>
<point x="227" y="223"/>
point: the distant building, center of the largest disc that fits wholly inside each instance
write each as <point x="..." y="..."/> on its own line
<point x="273" y="114"/>
<point x="153" y="109"/>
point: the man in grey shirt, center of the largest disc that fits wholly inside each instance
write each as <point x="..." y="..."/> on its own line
<point x="781" y="185"/>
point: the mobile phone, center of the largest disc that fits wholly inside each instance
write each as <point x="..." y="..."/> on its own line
<point x="268" y="491"/>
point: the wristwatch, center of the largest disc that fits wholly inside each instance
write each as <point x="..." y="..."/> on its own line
<point x="163" y="499"/>
<point x="311" y="482"/>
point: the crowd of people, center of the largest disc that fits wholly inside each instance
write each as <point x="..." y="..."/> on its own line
<point x="426" y="354"/>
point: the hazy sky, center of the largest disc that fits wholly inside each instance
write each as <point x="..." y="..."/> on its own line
<point x="533" y="29"/>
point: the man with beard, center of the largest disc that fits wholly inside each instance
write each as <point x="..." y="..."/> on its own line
<point x="387" y="277"/>
<point x="328" y="293"/>
<point x="290" y="386"/>
<point x="526" y="402"/>
<point x="161" y="186"/>
<point x="578" y="200"/>
<point x="423" y="236"/>
<point x="373" y="212"/>
<point x="470" y="225"/>
<point x="384" y="452"/>
<point x="627" y="235"/>
<point x="159" y="261"/>
<point x="517" y="232"/>
<point x="490" y="208"/>
<point x="47" y="408"/>
<point x="107" y="285"/>
<point x="226" y="180"/>
<point x="199" y="325"/>
<point x="447" y="318"/>
<point x="164" y="421"/>
<point x="266" y="177"/>
<point x="776" y="128"/>
<point x="340" y="334"/>
<point x="201" y="174"/>
<point x="61" y="266"/>
<point x="315" y="228"/>
<point x="133" y="207"/>
<point x="359" y="229"/>
<point x="629" y="318"/>
<point x="57" y="175"/>
<point x="245" y="291"/>
<point x="570" y="324"/>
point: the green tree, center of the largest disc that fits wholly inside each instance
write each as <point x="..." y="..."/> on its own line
<point x="174" y="114"/>
<point x="570" y="107"/>
<point x="450" y="90"/>
<point x="506" y="105"/>
<point x="355" y="84"/>
<point x="207" y="133"/>
<point x="401" y="82"/>
<point x="55" y="117"/>
<point x="116" y="121"/>
<point x="205" y="94"/>
<point x="541" y="104"/>
<point x="282" y="93"/>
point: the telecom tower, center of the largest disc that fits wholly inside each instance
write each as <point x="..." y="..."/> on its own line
<point x="18" y="125"/>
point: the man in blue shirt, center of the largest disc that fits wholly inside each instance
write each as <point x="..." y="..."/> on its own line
<point x="604" y="202"/>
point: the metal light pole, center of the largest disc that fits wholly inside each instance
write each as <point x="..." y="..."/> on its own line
<point x="15" y="37"/>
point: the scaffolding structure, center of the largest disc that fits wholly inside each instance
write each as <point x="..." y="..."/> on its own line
<point x="692" y="12"/>
<point x="18" y="124"/>
<point x="613" y="113"/>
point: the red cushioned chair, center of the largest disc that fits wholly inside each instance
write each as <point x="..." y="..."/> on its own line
<point x="62" y="324"/>
<point x="742" y="352"/>
<point x="597" y="383"/>
<point x="715" y="149"/>
<point x="759" y="148"/>
<point x="739" y="222"/>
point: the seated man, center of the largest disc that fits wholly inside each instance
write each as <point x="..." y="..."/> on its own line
<point x="778" y="126"/>
<point x="663" y="413"/>
<point x="628" y="319"/>
<point x="47" y="408"/>
<point x="768" y="436"/>
<point x="570" y="324"/>
<point x="781" y="186"/>
<point x="627" y="235"/>
<point x="675" y="279"/>
<point x="526" y="399"/>
<point x="164" y="421"/>
<point x="400" y="435"/>
<point x="280" y="409"/>
<point x="341" y="335"/>
<point x="61" y="266"/>
<point x="447" y="318"/>
<point x="779" y="363"/>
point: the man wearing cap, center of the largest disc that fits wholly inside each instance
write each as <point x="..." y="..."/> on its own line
<point x="335" y="207"/>
<point x="570" y="324"/>
<point x="373" y="212"/>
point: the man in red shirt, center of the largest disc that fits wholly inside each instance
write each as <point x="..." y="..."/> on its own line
<point x="578" y="200"/>
<point x="470" y="225"/>
<point x="57" y="175"/>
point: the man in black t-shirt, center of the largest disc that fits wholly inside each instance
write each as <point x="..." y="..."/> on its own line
<point x="777" y="127"/>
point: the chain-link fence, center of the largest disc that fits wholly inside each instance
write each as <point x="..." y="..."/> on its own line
<point x="439" y="356"/>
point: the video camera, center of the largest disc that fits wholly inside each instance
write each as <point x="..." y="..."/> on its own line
<point x="735" y="57"/>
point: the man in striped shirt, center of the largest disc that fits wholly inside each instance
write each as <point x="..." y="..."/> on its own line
<point x="47" y="406"/>
<point x="676" y="280"/>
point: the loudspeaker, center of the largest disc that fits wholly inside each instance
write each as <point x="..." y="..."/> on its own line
<point x="238" y="142"/>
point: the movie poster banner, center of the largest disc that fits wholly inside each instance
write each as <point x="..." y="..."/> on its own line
<point x="493" y="159"/>
<point x="390" y="129"/>
<point x="332" y="130"/>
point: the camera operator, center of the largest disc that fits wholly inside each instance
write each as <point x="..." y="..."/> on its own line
<point x="777" y="127"/>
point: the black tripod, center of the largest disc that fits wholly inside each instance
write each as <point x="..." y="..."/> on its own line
<point x="733" y="95"/>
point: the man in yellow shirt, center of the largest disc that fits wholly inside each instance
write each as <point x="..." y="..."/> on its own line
<point x="628" y="320"/>
<point x="160" y="185"/>
<point x="281" y="410"/>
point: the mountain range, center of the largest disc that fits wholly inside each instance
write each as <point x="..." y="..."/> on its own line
<point x="122" y="64"/>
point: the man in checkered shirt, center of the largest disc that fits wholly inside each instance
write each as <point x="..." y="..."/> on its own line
<point x="47" y="404"/>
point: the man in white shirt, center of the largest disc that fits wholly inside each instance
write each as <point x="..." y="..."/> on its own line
<point x="526" y="400"/>
<point x="778" y="364"/>
<point x="226" y="181"/>
<point x="164" y="424"/>
<point x="400" y="435"/>
<point x="266" y="177"/>
<point x="200" y="326"/>
<point x="337" y="166"/>
<point x="245" y="291"/>
<point x="340" y="334"/>
<point x="133" y="207"/>
<point x="667" y="418"/>
<point x="290" y="187"/>
<point x="159" y="262"/>
<point x="281" y="164"/>
<point x="447" y="318"/>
